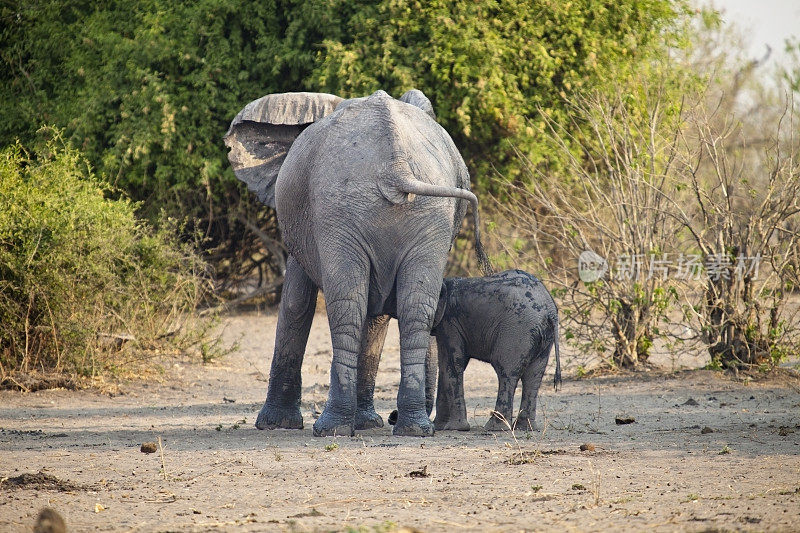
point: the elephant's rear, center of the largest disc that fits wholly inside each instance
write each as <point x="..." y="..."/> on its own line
<point x="549" y="330"/>
<point x="536" y="303"/>
<point x="349" y="161"/>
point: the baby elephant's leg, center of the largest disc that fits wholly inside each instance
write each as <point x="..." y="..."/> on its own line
<point x="531" y="380"/>
<point x="501" y="418"/>
<point x="451" y="409"/>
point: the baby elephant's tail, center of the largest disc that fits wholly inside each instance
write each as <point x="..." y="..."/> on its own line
<point x="557" y="377"/>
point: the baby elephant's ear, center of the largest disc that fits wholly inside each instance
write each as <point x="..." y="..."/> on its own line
<point x="262" y="133"/>
<point x="417" y="98"/>
<point x="441" y="306"/>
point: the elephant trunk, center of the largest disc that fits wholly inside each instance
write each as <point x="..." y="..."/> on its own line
<point x="413" y="186"/>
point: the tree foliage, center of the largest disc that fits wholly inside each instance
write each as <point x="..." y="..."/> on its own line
<point x="146" y="89"/>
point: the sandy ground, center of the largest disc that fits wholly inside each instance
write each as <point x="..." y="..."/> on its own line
<point x="215" y="471"/>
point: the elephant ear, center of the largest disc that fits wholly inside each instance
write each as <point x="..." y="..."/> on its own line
<point x="417" y="98"/>
<point x="262" y="133"/>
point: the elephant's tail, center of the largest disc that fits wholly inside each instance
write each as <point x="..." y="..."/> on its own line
<point x="413" y="186"/>
<point x="557" y="376"/>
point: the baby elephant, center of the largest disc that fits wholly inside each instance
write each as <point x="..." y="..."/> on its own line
<point x="507" y="319"/>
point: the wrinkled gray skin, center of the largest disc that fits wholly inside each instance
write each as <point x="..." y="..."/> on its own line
<point x="507" y="319"/>
<point x="370" y="194"/>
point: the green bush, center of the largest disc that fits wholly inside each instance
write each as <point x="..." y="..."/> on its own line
<point x="84" y="285"/>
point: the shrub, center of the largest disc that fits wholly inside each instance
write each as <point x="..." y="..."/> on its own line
<point x="612" y="207"/>
<point x="84" y="285"/>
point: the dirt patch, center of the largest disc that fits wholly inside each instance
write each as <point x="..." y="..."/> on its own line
<point x="217" y="472"/>
<point x="38" y="481"/>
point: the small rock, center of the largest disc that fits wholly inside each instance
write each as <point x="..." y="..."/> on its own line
<point x="706" y="430"/>
<point x="228" y="400"/>
<point x="587" y="447"/>
<point x="690" y="401"/>
<point x="621" y="420"/>
<point x="149" y="447"/>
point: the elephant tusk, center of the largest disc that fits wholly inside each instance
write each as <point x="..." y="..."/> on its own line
<point x="411" y="197"/>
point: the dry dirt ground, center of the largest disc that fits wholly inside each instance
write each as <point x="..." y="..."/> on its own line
<point x="79" y="452"/>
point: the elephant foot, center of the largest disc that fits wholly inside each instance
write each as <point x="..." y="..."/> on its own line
<point x="497" y="423"/>
<point x="275" y="417"/>
<point x="523" y="423"/>
<point x="367" y="419"/>
<point x="451" y="425"/>
<point x="328" y="425"/>
<point x="345" y="430"/>
<point x="413" y="426"/>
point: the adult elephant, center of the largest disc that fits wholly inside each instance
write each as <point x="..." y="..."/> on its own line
<point x="370" y="193"/>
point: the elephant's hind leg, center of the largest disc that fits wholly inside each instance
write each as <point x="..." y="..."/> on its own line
<point x="345" y="283"/>
<point x="531" y="381"/>
<point x="299" y="299"/>
<point x="501" y="417"/>
<point x="418" y="289"/>
<point x="368" y="359"/>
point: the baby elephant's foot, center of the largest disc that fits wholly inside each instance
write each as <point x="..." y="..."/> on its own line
<point x="451" y="425"/>
<point x="367" y="419"/>
<point x="497" y="422"/>
<point x="413" y="425"/>
<point x="277" y="417"/>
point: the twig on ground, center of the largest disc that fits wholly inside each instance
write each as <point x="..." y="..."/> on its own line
<point x="163" y="464"/>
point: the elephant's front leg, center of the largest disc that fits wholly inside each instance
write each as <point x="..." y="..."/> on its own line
<point x="368" y="359"/>
<point x="298" y="302"/>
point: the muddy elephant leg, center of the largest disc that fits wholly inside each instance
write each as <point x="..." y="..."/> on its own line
<point x="368" y="359"/>
<point x="451" y="408"/>
<point x="345" y="285"/>
<point x="418" y="287"/>
<point x="501" y="419"/>
<point x="298" y="302"/>
<point x="531" y="380"/>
